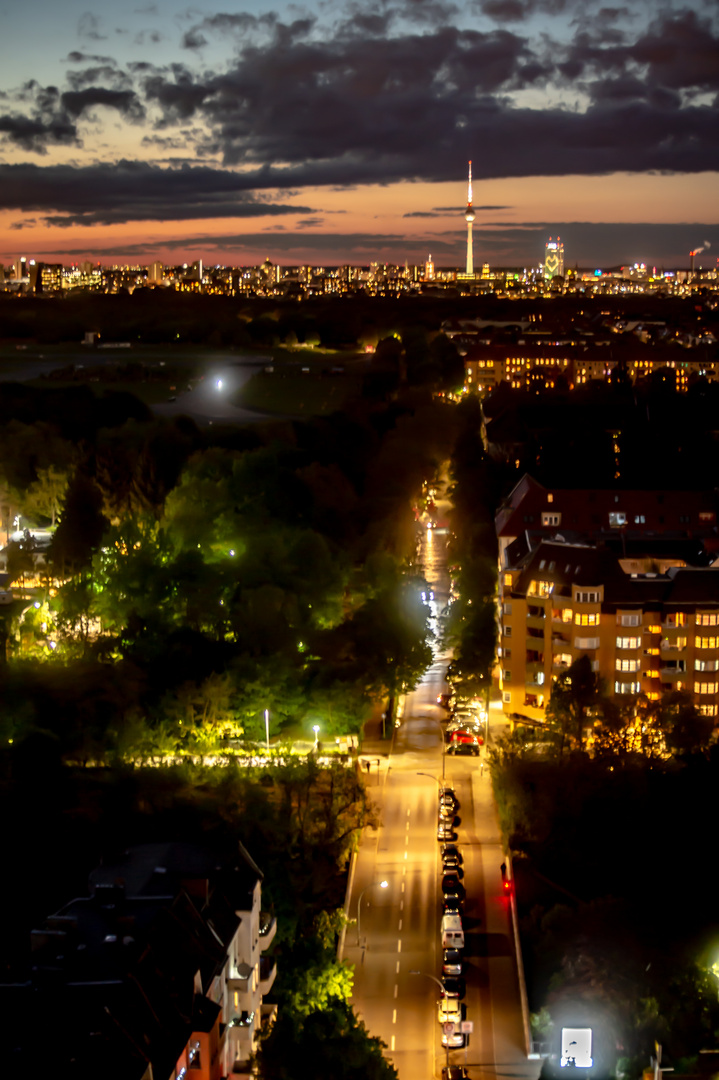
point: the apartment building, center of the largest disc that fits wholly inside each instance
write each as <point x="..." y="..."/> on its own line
<point x="158" y="973"/>
<point x="644" y="632"/>
<point x="608" y="515"/>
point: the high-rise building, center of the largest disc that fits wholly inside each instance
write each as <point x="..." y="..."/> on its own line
<point x="554" y="258"/>
<point x="156" y="272"/>
<point x="429" y="269"/>
<point x="20" y="267"/>
<point x="469" y="218"/>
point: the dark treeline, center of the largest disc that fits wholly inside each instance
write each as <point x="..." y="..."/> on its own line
<point x="610" y="434"/>
<point x="156" y="316"/>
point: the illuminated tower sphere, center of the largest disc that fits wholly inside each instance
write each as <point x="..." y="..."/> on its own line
<point x="469" y="218"/>
<point x="554" y="258"/>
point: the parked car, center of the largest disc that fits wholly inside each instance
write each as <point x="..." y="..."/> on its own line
<point x="451" y="866"/>
<point x="454" y="1072"/>
<point x="445" y="831"/>
<point x="452" y="904"/>
<point x="458" y="749"/>
<point x="452" y="849"/>
<point x="453" y="987"/>
<point x="449" y="1011"/>
<point x="452" y="961"/>
<point x="451" y="883"/>
<point x="455" y="1041"/>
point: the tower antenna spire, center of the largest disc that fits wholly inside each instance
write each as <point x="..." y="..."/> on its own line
<point x="469" y="218"/>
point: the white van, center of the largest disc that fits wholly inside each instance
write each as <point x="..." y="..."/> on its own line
<point x="452" y="932"/>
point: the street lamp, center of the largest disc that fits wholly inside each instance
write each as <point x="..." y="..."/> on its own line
<point x="267" y="727"/>
<point x="439" y="984"/>
<point x="316" y="729"/>
<point x="439" y="783"/>
<point x="382" y="885"/>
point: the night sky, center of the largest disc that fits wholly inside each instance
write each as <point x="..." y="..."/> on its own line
<point x="340" y="132"/>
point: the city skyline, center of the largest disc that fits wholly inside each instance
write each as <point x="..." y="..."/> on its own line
<point x="339" y="135"/>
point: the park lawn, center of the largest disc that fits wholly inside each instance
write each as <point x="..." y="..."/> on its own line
<point x="297" y="394"/>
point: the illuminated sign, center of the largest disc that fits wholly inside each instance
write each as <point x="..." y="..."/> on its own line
<point x="576" y="1048"/>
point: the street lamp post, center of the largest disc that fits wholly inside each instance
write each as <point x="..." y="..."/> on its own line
<point x="267" y="727"/>
<point x="382" y="885"/>
<point x="439" y="984"/>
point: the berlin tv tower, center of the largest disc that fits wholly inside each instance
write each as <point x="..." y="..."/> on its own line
<point x="469" y="218"/>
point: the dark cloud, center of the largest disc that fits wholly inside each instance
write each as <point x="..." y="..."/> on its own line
<point x="518" y="10"/>
<point x="76" y="57"/>
<point x="461" y="209"/>
<point x="193" y="39"/>
<point x="349" y="107"/>
<point x="98" y="73"/>
<point x="678" y="52"/>
<point x="88" y="27"/>
<point x="131" y="191"/>
<point x="127" y="103"/>
<point x="36" y="135"/>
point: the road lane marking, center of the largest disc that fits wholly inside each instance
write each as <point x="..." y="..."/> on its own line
<point x="397" y="968"/>
<point x="404" y="869"/>
<point x="401" y="905"/>
<point x="405" y="854"/>
<point x="394" y="1016"/>
<point x="399" y="946"/>
<point x="403" y="888"/>
<point x="396" y="988"/>
<point x="400" y="925"/>
<point x="392" y="1043"/>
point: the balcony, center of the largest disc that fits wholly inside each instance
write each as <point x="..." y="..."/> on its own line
<point x="668" y="672"/>
<point x="268" y="929"/>
<point x="268" y="971"/>
<point x="672" y="646"/>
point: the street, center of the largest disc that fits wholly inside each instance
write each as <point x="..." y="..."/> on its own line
<point x="400" y="924"/>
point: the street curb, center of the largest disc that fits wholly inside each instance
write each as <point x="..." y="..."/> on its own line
<point x="350" y="881"/>
<point x="520" y="964"/>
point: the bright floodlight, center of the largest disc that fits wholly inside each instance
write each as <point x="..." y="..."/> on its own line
<point x="315" y="728"/>
<point x="384" y="884"/>
<point x="219" y="384"/>
<point x="576" y="1048"/>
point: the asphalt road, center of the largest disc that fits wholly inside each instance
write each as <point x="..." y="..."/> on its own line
<point x="400" y="925"/>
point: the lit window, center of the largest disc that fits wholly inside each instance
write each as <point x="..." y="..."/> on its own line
<point x="706" y="642"/>
<point x="506" y="697"/>
<point x="705" y="687"/>
<point x="628" y="642"/>
<point x="586" y="620"/>
<point x="709" y="710"/>
<point x="626" y="688"/>
<point x="632" y="620"/>
<point x="707" y="620"/>
<point x="586" y="643"/>
<point x="627" y="665"/>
